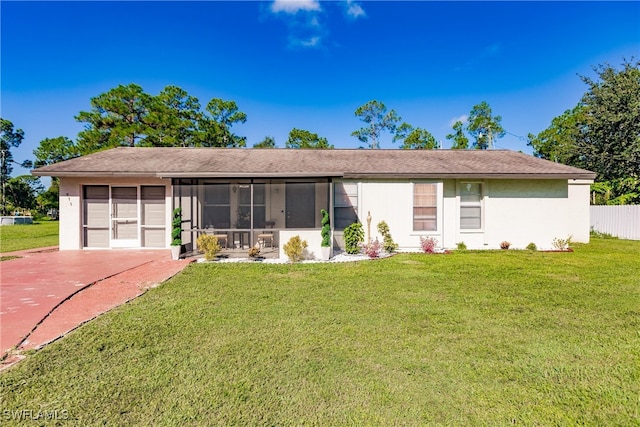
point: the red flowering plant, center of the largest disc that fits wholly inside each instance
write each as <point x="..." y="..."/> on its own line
<point x="428" y="244"/>
<point x="372" y="249"/>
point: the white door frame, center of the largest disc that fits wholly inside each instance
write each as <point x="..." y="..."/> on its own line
<point x="114" y="219"/>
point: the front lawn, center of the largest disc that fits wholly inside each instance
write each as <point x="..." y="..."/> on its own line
<point x="28" y="236"/>
<point x="472" y="338"/>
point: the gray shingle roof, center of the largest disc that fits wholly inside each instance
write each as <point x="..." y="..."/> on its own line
<point x="236" y="162"/>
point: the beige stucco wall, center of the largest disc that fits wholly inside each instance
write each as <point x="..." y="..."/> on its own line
<point x="525" y="211"/>
<point x="392" y="201"/>
<point x="579" y="211"/>
<point x="71" y="205"/>
<point x="519" y="211"/>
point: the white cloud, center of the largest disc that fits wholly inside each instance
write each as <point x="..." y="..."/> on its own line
<point x="294" y="6"/>
<point x="303" y="19"/>
<point x="463" y="118"/>
<point x="312" y="42"/>
<point x="354" y="10"/>
<point x="306" y="19"/>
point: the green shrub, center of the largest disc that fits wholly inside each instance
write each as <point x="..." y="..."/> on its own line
<point x="461" y="246"/>
<point x="326" y="229"/>
<point x="294" y="248"/>
<point x="532" y="247"/>
<point x="600" y="235"/>
<point x="561" y="244"/>
<point x="176" y="223"/>
<point x="353" y="238"/>
<point x="387" y="241"/>
<point x="209" y="245"/>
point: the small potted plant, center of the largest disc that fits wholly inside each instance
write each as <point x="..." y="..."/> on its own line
<point x="254" y="253"/>
<point x="176" y="234"/>
<point x="325" y="246"/>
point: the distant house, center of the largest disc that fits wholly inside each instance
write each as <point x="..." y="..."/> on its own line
<point x="123" y="197"/>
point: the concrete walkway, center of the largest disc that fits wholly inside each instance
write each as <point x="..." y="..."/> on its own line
<point x="47" y="293"/>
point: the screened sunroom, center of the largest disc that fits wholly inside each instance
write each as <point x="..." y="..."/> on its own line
<point x="244" y="212"/>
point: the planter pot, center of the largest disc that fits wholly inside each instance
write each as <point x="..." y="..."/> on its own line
<point x="325" y="252"/>
<point x="175" y="252"/>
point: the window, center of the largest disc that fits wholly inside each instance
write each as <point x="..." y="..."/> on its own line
<point x="425" y="207"/>
<point x="217" y="206"/>
<point x="345" y="204"/>
<point x="470" y="206"/>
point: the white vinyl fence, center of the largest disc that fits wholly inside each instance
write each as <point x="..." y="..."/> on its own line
<point x="619" y="221"/>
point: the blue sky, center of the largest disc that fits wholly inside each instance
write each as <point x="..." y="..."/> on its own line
<point x="310" y="64"/>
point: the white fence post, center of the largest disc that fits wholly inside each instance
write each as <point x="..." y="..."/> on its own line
<point x="620" y="221"/>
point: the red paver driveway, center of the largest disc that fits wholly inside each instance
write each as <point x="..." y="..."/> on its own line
<point x="32" y="286"/>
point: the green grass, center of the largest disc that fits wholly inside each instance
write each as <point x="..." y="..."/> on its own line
<point x="473" y="338"/>
<point x="36" y="235"/>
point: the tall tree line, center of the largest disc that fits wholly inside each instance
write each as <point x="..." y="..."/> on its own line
<point x="601" y="133"/>
<point x="128" y="116"/>
<point x="481" y="125"/>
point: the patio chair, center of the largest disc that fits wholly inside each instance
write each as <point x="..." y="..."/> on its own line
<point x="262" y="240"/>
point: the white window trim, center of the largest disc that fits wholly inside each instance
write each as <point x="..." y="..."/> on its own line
<point x="439" y="209"/>
<point x="358" y="196"/>
<point x="483" y="192"/>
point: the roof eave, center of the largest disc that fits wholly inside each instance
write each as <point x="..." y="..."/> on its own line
<point x="372" y="175"/>
<point x="588" y="176"/>
<point x="38" y="172"/>
<point x="249" y="175"/>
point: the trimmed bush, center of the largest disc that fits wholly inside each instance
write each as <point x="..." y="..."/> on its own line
<point x="294" y="248"/>
<point x="326" y="229"/>
<point x="387" y="241"/>
<point x="209" y="245"/>
<point x="176" y="224"/>
<point x="353" y="238"/>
